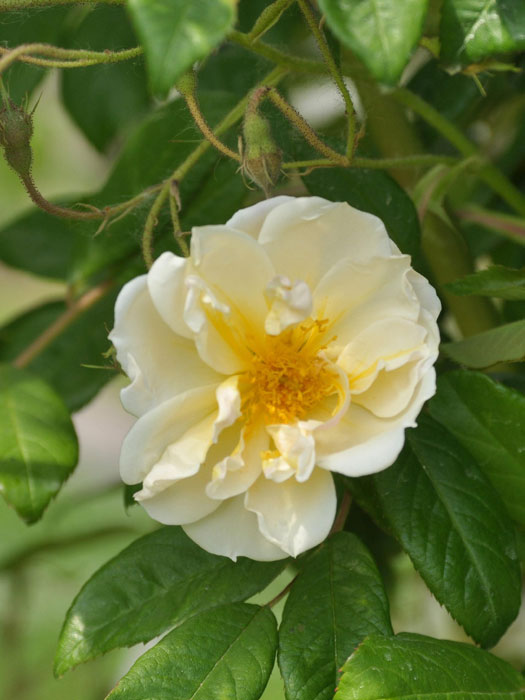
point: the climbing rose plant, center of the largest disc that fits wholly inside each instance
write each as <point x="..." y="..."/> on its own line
<point x="320" y="323"/>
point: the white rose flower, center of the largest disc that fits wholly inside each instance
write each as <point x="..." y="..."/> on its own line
<point x="295" y="341"/>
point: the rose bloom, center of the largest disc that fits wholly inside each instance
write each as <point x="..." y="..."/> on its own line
<point x="295" y="341"/>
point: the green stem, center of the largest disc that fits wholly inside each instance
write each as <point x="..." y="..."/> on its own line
<point x="415" y="161"/>
<point x="67" y="58"/>
<point x="281" y="58"/>
<point x="306" y="130"/>
<point x="7" y="5"/>
<point x="95" y="58"/>
<point x="208" y="133"/>
<point x="151" y="222"/>
<point x="334" y="72"/>
<point x="489" y="173"/>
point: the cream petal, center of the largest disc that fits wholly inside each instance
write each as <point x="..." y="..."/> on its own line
<point x="251" y="219"/>
<point x="425" y="293"/>
<point x="181" y="459"/>
<point x="145" y="443"/>
<point x="294" y="516"/>
<point x="354" y="296"/>
<point x="183" y="502"/>
<point x="210" y="319"/>
<point x="363" y="443"/>
<point x="166" y="284"/>
<point x="159" y="363"/>
<point x="297" y="448"/>
<point x="238" y="471"/>
<point x="391" y="390"/>
<point x="229" y="402"/>
<point x="234" y="265"/>
<point x="232" y="531"/>
<point x="290" y="303"/>
<point x="306" y="237"/>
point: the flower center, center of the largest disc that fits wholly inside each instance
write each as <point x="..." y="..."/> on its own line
<point x="288" y="377"/>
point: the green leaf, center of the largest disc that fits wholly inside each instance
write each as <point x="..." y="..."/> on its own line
<point x="489" y="421"/>
<point x="80" y="342"/>
<point x="227" y="652"/>
<point x="43" y="25"/>
<point x="337" y="600"/>
<point x="375" y="192"/>
<point x="52" y="241"/>
<point x="105" y="100"/>
<point x="176" y="33"/>
<point x="513" y="15"/>
<point x="157" y="582"/>
<point x="38" y="444"/>
<point x="452" y="524"/>
<point x="414" y="666"/>
<point x="496" y="281"/>
<point x="382" y="33"/>
<point x="502" y="344"/>
<point x="473" y="30"/>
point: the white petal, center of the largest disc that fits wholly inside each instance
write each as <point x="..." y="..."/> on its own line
<point x="159" y="363"/>
<point x="251" y="219"/>
<point x="232" y="531"/>
<point x="238" y="471"/>
<point x="392" y="390"/>
<point x="289" y="304"/>
<point x="229" y="402"/>
<point x="183" y="502"/>
<point x="307" y="236"/>
<point x="296" y="446"/>
<point x="237" y="268"/>
<point x="294" y="516"/>
<point x="426" y="293"/>
<point x="166" y="283"/>
<point x="152" y="433"/>
<point x="363" y="443"/>
<point x="355" y="296"/>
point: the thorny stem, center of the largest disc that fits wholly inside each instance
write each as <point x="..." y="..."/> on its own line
<point x="334" y="72"/>
<point x="415" y="161"/>
<point x="65" y="319"/>
<point x="306" y="130"/>
<point x="151" y="222"/>
<point x="342" y="514"/>
<point x="281" y="58"/>
<point x="488" y="172"/>
<point x="6" y="5"/>
<point x="54" y="209"/>
<point x="201" y="122"/>
<point x="63" y="58"/>
<point x="174" y="213"/>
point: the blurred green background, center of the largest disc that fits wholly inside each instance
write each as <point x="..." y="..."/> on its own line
<point x="43" y="566"/>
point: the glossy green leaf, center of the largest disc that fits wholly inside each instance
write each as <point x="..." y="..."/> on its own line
<point x="382" y="33"/>
<point x="52" y="241"/>
<point x="118" y="94"/>
<point x="157" y="582"/>
<point x="61" y="363"/>
<point x="455" y="529"/>
<point x="176" y="33"/>
<point x="38" y="444"/>
<point x="414" y="666"/>
<point x="375" y="192"/>
<point x="474" y="30"/>
<point x="489" y="420"/>
<point x="337" y="600"/>
<point x="496" y="281"/>
<point x="502" y="344"/>
<point x="227" y="652"/>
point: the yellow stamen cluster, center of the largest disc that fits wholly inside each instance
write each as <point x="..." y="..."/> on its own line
<point x="288" y="376"/>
